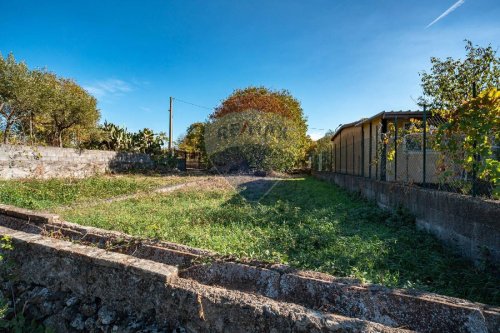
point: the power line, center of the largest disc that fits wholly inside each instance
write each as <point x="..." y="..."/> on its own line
<point x="208" y="108"/>
<point x="193" y="104"/>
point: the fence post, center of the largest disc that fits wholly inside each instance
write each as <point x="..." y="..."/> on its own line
<point x="331" y="158"/>
<point x="475" y="157"/>
<point x="362" y="150"/>
<point x="376" y="152"/>
<point x="383" y="158"/>
<point x="346" y="170"/>
<point x="424" y="146"/>
<point x="340" y="152"/>
<point x="353" y="157"/>
<point x="335" y="157"/>
<point x="370" y="153"/>
<point x="396" y="148"/>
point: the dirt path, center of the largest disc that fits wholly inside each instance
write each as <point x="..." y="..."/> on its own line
<point x="159" y="190"/>
<point x="251" y="188"/>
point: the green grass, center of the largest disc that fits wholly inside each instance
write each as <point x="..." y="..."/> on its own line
<point x="46" y="194"/>
<point x="305" y="223"/>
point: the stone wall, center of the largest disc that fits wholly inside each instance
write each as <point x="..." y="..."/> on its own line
<point x="18" y="161"/>
<point x="126" y="285"/>
<point x="469" y="225"/>
<point x="123" y="280"/>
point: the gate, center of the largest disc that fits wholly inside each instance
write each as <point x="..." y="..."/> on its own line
<point x="189" y="160"/>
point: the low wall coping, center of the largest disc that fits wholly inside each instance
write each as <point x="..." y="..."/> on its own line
<point x="394" y="307"/>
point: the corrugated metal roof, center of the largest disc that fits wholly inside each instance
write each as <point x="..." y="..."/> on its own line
<point x="382" y="115"/>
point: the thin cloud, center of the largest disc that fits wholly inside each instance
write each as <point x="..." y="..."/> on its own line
<point x="109" y="87"/>
<point x="316" y="135"/>
<point x="447" y="12"/>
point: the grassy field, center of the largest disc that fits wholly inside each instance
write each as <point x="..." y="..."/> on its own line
<point x="301" y="221"/>
<point x="46" y="194"/>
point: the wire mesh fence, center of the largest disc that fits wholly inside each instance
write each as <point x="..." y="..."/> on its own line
<point x="402" y="149"/>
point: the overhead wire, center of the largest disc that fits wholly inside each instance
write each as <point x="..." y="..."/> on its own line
<point x="209" y="108"/>
<point x="193" y="104"/>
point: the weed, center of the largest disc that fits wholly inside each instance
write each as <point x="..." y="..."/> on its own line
<point x="302" y="222"/>
<point x="45" y="194"/>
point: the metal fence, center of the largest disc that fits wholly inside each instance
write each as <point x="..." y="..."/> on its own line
<point x="399" y="150"/>
<point x="189" y="160"/>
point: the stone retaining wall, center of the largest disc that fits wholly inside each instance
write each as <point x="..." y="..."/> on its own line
<point x="51" y="162"/>
<point x="469" y="225"/>
<point x="178" y="286"/>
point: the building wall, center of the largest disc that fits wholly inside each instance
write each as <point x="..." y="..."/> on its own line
<point x="18" y="161"/>
<point x="352" y="155"/>
<point x="371" y="162"/>
<point x="408" y="164"/>
<point x="347" y="154"/>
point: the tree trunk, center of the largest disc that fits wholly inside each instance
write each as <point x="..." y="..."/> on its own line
<point x="60" y="139"/>
<point x="7" y="127"/>
<point x="31" y="128"/>
<point x="6" y="134"/>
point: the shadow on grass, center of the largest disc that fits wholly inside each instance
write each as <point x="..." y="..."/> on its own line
<point x="304" y="222"/>
<point x="314" y="225"/>
<point x="256" y="189"/>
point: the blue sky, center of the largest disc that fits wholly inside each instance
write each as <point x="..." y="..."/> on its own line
<point x="342" y="59"/>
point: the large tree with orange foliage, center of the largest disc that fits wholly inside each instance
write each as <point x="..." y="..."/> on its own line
<point x="279" y="102"/>
<point x="258" y="127"/>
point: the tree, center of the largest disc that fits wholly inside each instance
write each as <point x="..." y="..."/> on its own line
<point x="450" y="82"/>
<point x="470" y="126"/>
<point x="64" y="105"/>
<point x="257" y="128"/>
<point x="18" y="96"/>
<point x="43" y="103"/>
<point x="279" y="102"/>
<point x="194" y="140"/>
<point x="324" y="143"/>
<point x="323" y="147"/>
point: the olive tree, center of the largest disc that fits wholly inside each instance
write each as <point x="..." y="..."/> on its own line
<point x="18" y="97"/>
<point x="64" y="105"/>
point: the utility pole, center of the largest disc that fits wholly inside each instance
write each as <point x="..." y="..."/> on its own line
<point x="476" y="155"/>
<point x="424" y="147"/>
<point x="170" y="126"/>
